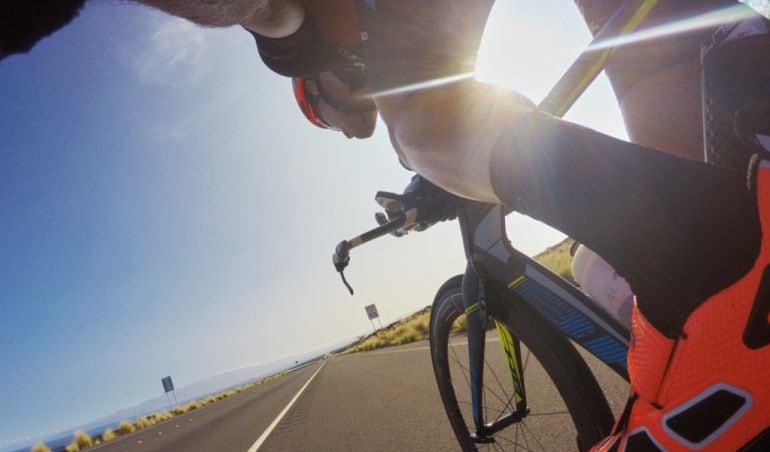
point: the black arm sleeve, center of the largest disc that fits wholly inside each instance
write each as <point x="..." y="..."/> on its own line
<point x="301" y="54"/>
<point x="24" y="22"/>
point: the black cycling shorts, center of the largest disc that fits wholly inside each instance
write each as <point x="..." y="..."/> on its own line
<point x="678" y="39"/>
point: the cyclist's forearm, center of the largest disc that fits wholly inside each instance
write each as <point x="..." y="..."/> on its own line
<point x="270" y="18"/>
<point x="447" y="134"/>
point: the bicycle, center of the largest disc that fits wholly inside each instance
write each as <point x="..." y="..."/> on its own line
<point x="535" y="312"/>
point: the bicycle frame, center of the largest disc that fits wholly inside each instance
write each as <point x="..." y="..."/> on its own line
<point x="494" y="263"/>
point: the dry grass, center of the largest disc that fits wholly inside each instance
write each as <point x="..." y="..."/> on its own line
<point x="143" y="422"/>
<point x="410" y="329"/>
<point x="152" y="419"/>
<point x="126" y="427"/>
<point x="163" y="416"/>
<point x="558" y="259"/>
<point x="40" y="447"/>
<point x="109" y="435"/>
<point x="459" y="325"/>
<point x="194" y="405"/>
<point x="80" y="441"/>
<point x="83" y="439"/>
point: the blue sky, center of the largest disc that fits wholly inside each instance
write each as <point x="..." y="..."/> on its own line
<point x="165" y="209"/>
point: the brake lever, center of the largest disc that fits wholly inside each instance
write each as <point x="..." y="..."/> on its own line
<point x="341" y="259"/>
<point x="341" y="256"/>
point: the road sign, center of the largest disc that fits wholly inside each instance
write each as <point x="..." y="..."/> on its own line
<point x="371" y="311"/>
<point x="168" y="385"/>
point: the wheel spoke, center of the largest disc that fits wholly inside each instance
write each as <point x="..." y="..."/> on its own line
<point x="524" y="435"/>
<point x="515" y="443"/>
<point x="505" y="393"/>
<point x="466" y="372"/>
<point x="524" y="426"/>
<point x="516" y="438"/>
<point x="509" y="404"/>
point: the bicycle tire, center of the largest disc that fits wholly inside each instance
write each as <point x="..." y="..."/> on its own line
<point x="585" y="404"/>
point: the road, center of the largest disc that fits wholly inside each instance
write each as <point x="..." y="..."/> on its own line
<point x="377" y="401"/>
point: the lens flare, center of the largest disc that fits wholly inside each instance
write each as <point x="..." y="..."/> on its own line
<point x="424" y="85"/>
<point x="734" y="13"/>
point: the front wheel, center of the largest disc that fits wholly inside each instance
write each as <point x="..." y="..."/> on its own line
<point x="565" y="408"/>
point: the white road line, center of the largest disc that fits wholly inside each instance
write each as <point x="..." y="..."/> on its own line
<point x="272" y="426"/>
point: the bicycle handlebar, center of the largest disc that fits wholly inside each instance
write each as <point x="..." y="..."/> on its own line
<point x="341" y="257"/>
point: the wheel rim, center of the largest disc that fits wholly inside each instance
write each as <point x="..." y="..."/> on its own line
<point x="548" y="425"/>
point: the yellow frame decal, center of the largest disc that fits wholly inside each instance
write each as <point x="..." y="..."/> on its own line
<point x="510" y="355"/>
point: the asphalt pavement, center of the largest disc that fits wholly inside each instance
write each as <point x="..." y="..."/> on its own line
<point x="384" y="400"/>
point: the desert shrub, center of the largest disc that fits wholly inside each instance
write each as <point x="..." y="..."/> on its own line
<point x="83" y="439"/>
<point x="72" y="447"/>
<point x="421" y="326"/>
<point x="558" y="259"/>
<point x="459" y="325"/>
<point x="109" y="435"/>
<point x="162" y="416"/>
<point x="188" y="407"/>
<point x="144" y="422"/>
<point x="40" y="447"/>
<point x="126" y="427"/>
<point x="405" y="336"/>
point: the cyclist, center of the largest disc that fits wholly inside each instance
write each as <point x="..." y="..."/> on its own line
<point x="489" y="144"/>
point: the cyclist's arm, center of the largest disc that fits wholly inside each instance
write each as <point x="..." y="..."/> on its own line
<point x="448" y="134"/>
<point x="445" y="131"/>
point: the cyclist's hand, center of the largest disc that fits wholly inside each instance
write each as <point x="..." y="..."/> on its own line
<point x="429" y="203"/>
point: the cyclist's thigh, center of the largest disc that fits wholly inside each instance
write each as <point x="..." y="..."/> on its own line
<point x="657" y="80"/>
<point x="663" y="111"/>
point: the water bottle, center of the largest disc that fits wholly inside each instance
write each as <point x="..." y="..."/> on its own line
<point x="601" y="282"/>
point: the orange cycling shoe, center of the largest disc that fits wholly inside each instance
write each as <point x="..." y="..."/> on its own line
<point x="709" y="388"/>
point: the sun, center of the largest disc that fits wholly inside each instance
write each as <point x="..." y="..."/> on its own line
<point x="526" y="48"/>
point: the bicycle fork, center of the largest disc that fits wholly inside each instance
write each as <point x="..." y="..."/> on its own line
<point x="477" y="322"/>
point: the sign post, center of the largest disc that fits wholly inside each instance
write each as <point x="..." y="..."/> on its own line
<point x="371" y="312"/>
<point x="168" y="386"/>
